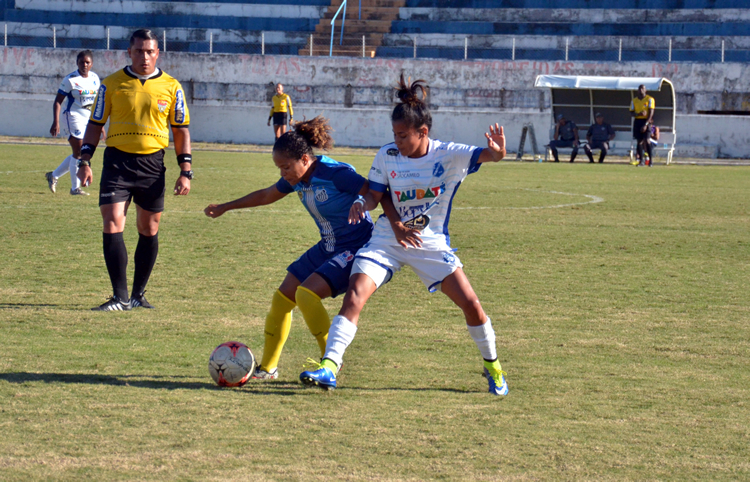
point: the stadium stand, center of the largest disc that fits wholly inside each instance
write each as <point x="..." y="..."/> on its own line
<point x="236" y="26"/>
<point x="574" y="30"/>
<point x="583" y="29"/>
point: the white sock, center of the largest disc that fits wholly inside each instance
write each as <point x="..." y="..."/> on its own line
<point x="484" y="337"/>
<point x="63" y="168"/>
<point x="75" y="183"/>
<point x="340" y="336"/>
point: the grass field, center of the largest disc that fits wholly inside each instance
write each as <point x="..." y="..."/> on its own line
<point x="620" y="296"/>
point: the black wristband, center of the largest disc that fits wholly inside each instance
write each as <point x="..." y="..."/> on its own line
<point x="184" y="158"/>
<point x="88" y="149"/>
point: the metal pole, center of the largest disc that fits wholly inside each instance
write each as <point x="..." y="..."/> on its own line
<point x="722" y="51"/>
<point x="567" y="42"/>
<point x="363" y="46"/>
<point x="670" y="50"/>
<point x="466" y="47"/>
<point x="6" y="34"/>
<point x="619" y="53"/>
<point x="513" y="51"/>
<point x="210" y="42"/>
<point x="164" y="41"/>
<point x="54" y="39"/>
<point x="343" y="21"/>
<point x="311" y="44"/>
<point x="263" y="43"/>
<point x="415" y="47"/>
<point x="108" y="38"/>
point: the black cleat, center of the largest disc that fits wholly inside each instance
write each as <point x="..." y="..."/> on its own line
<point x="139" y="301"/>
<point x="113" y="304"/>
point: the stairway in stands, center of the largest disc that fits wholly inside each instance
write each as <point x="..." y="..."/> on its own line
<point x="376" y="19"/>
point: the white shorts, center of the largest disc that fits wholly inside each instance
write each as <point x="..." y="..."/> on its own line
<point x="379" y="263"/>
<point x="74" y="125"/>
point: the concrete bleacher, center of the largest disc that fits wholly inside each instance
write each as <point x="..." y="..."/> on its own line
<point x="586" y="28"/>
<point x="235" y="26"/>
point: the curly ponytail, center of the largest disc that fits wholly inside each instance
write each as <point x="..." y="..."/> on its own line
<point x="412" y="110"/>
<point x="313" y="133"/>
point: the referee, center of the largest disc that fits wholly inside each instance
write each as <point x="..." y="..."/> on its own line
<point x="142" y="103"/>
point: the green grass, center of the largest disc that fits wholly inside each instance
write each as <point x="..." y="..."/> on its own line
<point x="622" y="324"/>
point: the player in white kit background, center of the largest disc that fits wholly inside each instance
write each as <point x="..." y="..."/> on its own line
<point x="422" y="176"/>
<point x="77" y="92"/>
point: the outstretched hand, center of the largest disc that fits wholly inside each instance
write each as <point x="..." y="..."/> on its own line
<point x="496" y="139"/>
<point x="214" y="210"/>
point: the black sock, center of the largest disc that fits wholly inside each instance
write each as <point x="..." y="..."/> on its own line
<point x="116" y="259"/>
<point x="145" y="258"/>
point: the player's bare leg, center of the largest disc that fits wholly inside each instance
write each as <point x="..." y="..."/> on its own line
<point x="457" y="287"/>
<point x="342" y="331"/>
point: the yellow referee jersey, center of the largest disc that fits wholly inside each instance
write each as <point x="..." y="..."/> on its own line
<point x="639" y="105"/>
<point x="140" y="112"/>
<point x="282" y="103"/>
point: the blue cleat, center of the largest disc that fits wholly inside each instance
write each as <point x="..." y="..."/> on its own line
<point x="322" y="377"/>
<point x="498" y="384"/>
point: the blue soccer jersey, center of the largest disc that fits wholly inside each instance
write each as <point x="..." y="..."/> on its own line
<point x="328" y="196"/>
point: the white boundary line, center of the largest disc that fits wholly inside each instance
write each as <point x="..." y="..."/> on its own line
<point x="592" y="200"/>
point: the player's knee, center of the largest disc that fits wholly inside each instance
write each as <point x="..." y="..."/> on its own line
<point x="472" y="309"/>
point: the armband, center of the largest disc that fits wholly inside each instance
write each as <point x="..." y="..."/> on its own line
<point x="88" y="149"/>
<point x="81" y="162"/>
<point x="359" y="200"/>
<point x="184" y="158"/>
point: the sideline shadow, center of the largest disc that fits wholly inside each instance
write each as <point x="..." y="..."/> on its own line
<point x="140" y="381"/>
<point x="21" y="306"/>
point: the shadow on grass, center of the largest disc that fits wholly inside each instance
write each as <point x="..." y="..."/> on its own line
<point x="21" y="306"/>
<point x="270" y="387"/>
<point x="140" y="381"/>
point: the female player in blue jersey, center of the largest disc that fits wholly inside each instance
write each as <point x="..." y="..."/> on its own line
<point x="327" y="189"/>
<point x="421" y="176"/>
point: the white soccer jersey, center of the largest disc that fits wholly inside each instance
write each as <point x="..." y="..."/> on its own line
<point x="80" y="92"/>
<point x="422" y="189"/>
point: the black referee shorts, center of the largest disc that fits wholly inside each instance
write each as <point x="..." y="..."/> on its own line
<point x="637" y="126"/>
<point x="279" y="118"/>
<point x="139" y="177"/>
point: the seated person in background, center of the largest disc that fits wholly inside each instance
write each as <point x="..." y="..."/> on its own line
<point x="566" y="135"/>
<point x="598" y="137"/>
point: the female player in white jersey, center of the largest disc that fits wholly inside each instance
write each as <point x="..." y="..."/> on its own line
<point x="78" y="91"/>
<point x="422" y="176"/>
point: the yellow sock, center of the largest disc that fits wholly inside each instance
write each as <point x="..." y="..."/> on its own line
<point x="278" y="323"/>
<point x="315" y="316"/>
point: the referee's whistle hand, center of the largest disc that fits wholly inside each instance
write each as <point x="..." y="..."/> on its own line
<point x="85" y="175"/>
<point x="182" y="186"/>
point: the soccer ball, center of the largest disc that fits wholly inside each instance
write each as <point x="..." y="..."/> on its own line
<point x="231" y="364"/>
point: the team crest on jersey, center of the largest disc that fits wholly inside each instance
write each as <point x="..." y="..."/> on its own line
<point x="99" y="107"/>
<point x="342" y="259"/>
<point x="321" y="195"/>
<point x="438" y="169"/>
<point x="419" y="223"/>
<point x="392" y="152"/>
<point x="162" y="104"/>
<point x="179" y="107"/>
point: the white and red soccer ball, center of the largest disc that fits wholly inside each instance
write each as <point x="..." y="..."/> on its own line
<point x="231" y="364"/>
